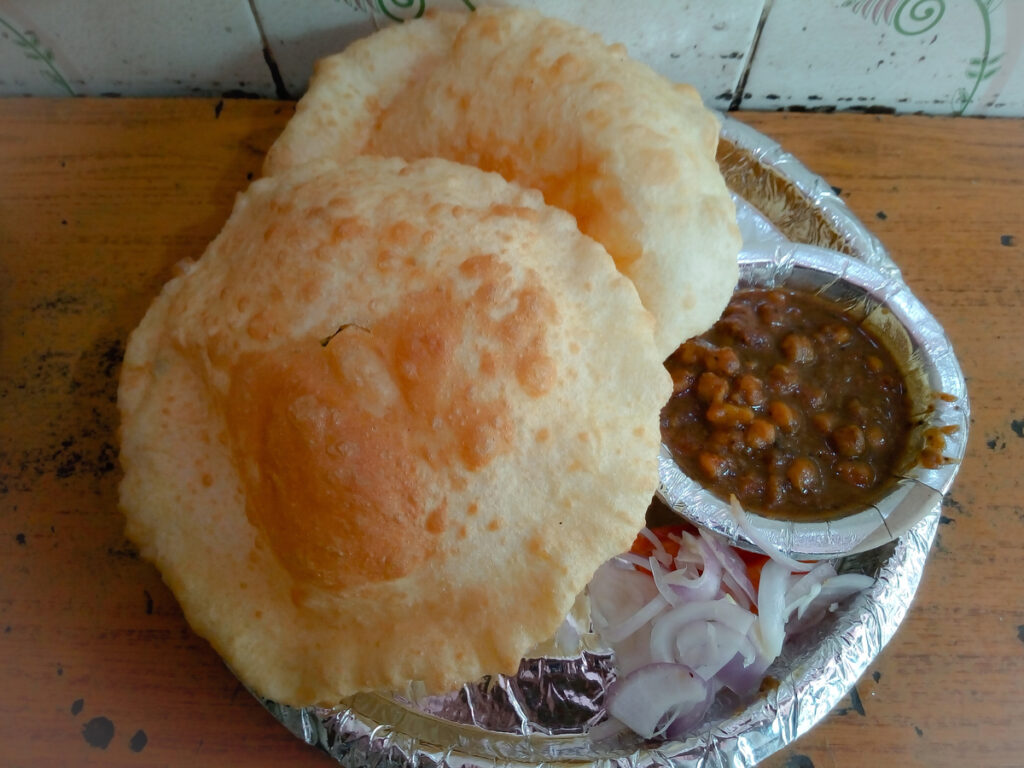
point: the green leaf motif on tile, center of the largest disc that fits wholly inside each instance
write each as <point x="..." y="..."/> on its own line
<point x="908" y="17"/>
<point x="391" y="9"/>
<point x="401" y="10"/>
<point x="981" y="68"/>
<point x="28" y="41"/>
<point x="915" y="17"/>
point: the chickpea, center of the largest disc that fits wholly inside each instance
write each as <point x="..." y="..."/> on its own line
<point x="712" y="388"/>
<point x="771" y="314"/>
<point x="836" y="334"/>
<point x="874" y="363"/>
<point x="798" y="348"/>
<point x="782" y="378"/>
<point x="825" y="422"/>
<point x="713" y="465"/>
<point x="723" y="360"/>
<point x="690" y="353"/>
<point x="857" y="473"/>
<point x="875" y="437"/>
<point x="720" y="440"/>
<point x="682" y="380"/>
<point x="729" y="415"/>
<point x="804" y="475"/>
<point x="813" y="395"/>
<point x="856" y="409"/>
<point x="784" y="417"/>
<point x="749" y="390"/>
<point x="760" y="434"/>
<point x="849" y="440"/>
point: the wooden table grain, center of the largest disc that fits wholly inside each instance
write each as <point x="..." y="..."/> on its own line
<point x="99" y="199"/>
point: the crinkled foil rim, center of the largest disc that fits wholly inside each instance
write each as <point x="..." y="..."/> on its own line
<point x="779" y="201"/>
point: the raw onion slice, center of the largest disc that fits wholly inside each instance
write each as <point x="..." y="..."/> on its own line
<point x="659" y="549"/>
<point x="734" y="571"/>
<point x="740" y="516"/>
<point x="771" y="607"/>
<point x="833" y="590"/>
<point x="708" y="646"/>
<point x="652" y="698"/>
<point x="668" y="626"/>
<point x="679" y="586"/>
<point x="807" y="587"/>
<point x="618" y="632"/>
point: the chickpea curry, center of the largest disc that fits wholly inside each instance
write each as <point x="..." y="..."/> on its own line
<point x="790" y="404"/>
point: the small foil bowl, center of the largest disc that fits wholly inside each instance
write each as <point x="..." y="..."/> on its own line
<point x="938" y="394"/>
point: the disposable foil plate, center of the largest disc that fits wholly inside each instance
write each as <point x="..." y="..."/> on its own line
<point x="553" y="709"/>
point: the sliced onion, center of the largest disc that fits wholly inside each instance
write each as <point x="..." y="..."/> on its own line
<point x="740" y="516"/>
<point x="634" y="559"/>
<point x="708" y="646"/>
<point x="771" y="607"/>
<point x="617" y="592"/>
<point x="734" y="572"/>
<point x="652" y="698"/>
<point x="681" y="629"/>
<point x="744" y="677"/>
<point x="668" y="626"/>
<point x="659" y="549"/>
<point x="831" y="591"/>
<point x="618" y="632"/>
<point x="807" y="587"/>
<point x="678" y="586"/>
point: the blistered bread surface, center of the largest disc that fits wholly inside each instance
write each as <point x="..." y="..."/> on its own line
<point x="552" y="107"/>
<point x="387" y="427"/>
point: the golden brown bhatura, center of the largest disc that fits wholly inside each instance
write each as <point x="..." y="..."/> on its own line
<point x="549" y="106"/>
<point x="387" y="427"/>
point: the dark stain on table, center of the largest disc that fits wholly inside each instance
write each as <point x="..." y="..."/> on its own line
<point x="798" y="761"/>
<point x="76" y="706"/>
<point x="217" y="109"/>
<point x="1020" y="632"/>
<point x="20" y="538"/>
<point x="876" y="676"/>
<point x="138" y="741"/>
<point x="98" y="732"/>
<point x="1006" y="240"/>
<point x="918" y="731"/>
<point x="149" y="602"/>
<point x="1017" y="425"/>
<point x="881" y="216"/>
<point x="996" y="443"/>
<point x="856" y="705"/>
<point x="949" y="502"/>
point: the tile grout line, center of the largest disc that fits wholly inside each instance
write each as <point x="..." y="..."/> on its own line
<point x="741" y="83"/>
<point x="268" y="55"/>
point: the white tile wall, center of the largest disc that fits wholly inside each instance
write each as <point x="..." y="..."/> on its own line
<point x="699" y="42"/>
<point x="143" y="48"/>
<point x="904" y="55"/>
<point x="934" y="56"/>
<point x="301" y="31"/>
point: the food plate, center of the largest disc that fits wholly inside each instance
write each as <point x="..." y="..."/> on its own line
<point x="553" y="709"/>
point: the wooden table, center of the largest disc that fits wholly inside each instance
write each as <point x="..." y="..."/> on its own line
<point x="98" y="199"/>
